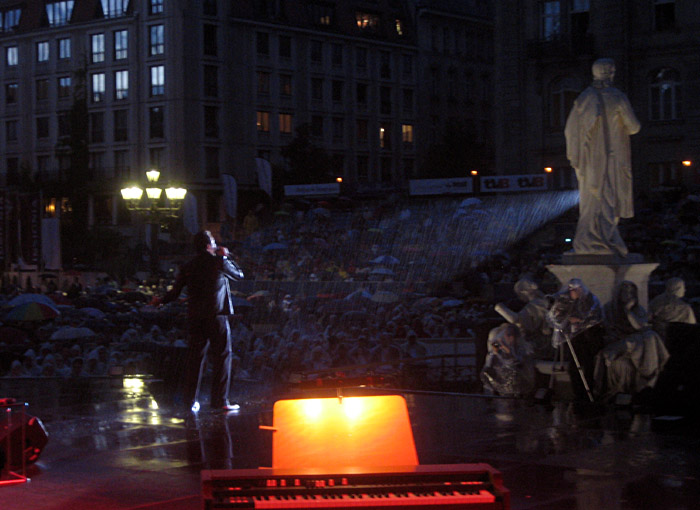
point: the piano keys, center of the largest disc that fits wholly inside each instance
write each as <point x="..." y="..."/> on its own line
<point x="472" y="486"/>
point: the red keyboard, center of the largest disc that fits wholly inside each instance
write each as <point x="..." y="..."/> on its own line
<point x="476" y="486"/>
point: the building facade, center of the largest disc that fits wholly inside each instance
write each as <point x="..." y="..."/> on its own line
<point x="544" y="54"/>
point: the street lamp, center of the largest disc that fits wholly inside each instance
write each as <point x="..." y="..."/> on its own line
<point x="154" y="206"/>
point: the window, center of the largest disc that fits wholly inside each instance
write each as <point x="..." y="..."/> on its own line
<point x="321" y="13"/>
<point x="42" y="89"/>
<point x="64" y="48"/>
<point x="97" y="163"/>
<point x="121" y="127"/>
<point x="157" y="80"/>
<point x="98" y="87"/>
<point x="121" y="85"/>
<point x="43" y="165"/>
<point x="285" y="46"/>
<point x="9" y="19"/>
<point x="11" y="91"/>
<point x="114" y="8"/>
<point x="59" y="13"/>
<point x="407" y="100"/>
<point x="209" y="8"/>
<point x="337" y="55"/>
<point x="285" y="85"/>
<point x="362" y="130"/>
<point x="664" y="14"/>
<point x="211" y="81"/>
<point x="97" y="45"/>
<point x="367" y="22"/>
<point x="361" y="58"/>
<point x="263" y="121"/>
<point x="210" y="43"/>
<point x="155" y="157"/>
<point x="317" y="52"/>
<point x="579" y="20"/>
<point x="362" y="168"/>
<point x="407" y="66"/>
<point x="262" y="43"/>
<point x="156" y="122"/>
<point x="385" y="64"/>
<point x="11" y="131"/>
<point x="63" y="89"/>
<point x="121" y="164"/>
<point x="385" y="135"/>
<point x="121" y="44"/>
<point x="211" y="122"/>
<point x="42" y="51"/>
<point x="11" y="56"/>
<point x="385" y="100"/>
<point x="317" y="125"/>
<point x="286" y="123"/>
<point x="63" y="124"/>
<point x="97" y="128"/>
<point x="407" y="133"/>
<point x="385" y="168"/>
<point x="550" y="19"/>
<point x="664" y="95"/>
<point x="317" y="89"/>
<point x="338" y="129"/>
<point x="664" y="174"/>
<point x="157" y="40"/>
<point x="563" y="94"/>
<point x="211" y="162"/>
<point x="263" y="82"/>
<point x="12" y="171"/>
<point x="337" y="87"/>
<point x="398" y="25"/>
<point x="155" y="7"/>
<point x="361" y="94"/>
<point x="42" y="127"/>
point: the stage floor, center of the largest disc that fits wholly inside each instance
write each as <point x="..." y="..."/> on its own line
<point x="125" y="448"/>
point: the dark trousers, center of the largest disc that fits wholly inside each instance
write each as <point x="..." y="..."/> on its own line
<point x="210" y="338"/>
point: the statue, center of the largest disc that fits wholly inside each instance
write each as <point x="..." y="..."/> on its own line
<point x="597" y="145"/>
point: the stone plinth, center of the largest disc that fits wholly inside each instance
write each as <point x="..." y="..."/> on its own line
<point x="602" y="273"/>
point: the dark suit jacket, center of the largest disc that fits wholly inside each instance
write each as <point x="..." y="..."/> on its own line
<point x="206" y="277"/>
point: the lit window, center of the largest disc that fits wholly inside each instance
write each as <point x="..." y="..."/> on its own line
<point x="97" y="44"/>
<point x="156" y="6"/>
<point x="64" y="48"/>
<point x="385" y="135"/>
<point x="157" y="41"/>
<point x="285" y="123"/>
<point x="121" y="44"/>
<point x="98" y="87"/>
<point x="407" y="133"/>
<point x="263" y="121"/>
<point x="114" y="8"/>
<point x="399" y="27"/>
<point x="64" y="86"/>
<point x="664" y="95"/>
<point x="550" y="20"/>
<point x="42" y="51"/>
<point x="11" y="56"/>
<point x="9" y="19"/>
<point x="59" y="13"/>
<point x="121" y="85"/>
<point x="157" y="80"/>
<point x="366" y="21"/>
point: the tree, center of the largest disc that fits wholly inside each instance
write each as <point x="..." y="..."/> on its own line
<point x="307" y="163"/>
<point x="456" y="154"/>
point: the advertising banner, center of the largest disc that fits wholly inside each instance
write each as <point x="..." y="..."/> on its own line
<point x="453" y="186"/>
<point x="301" y="190"/>
<point x="500" y="183"/>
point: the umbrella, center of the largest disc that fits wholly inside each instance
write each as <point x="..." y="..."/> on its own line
<point x="71" y="333"/>
<point x="32" y="311"/>
<point x="384" y="296"/>
<point x="451" y="303"/>
<point x="31" y="298"/>
<point x="356" y="316"/>
<point x="358" y="294"/>
<point x="92" y="312"/>
<point x="425" y="303"/>
<point x="469" y="201"/>
<point x="382" y="270"/>
<point x="275" y="246"/>
<point x="386" y="260"/>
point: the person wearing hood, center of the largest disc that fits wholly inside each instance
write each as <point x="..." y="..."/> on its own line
<point x="669" y="306"/>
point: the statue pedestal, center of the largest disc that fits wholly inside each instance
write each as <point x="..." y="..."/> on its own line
<point x="602" y="273"/>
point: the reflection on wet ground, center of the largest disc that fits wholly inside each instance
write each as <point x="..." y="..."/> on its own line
<point x="116" y="447"/>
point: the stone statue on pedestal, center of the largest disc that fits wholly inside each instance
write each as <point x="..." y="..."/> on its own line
<point x="598" y="147"/>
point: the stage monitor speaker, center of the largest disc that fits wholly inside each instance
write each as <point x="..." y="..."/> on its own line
<point x="35" y="439"/>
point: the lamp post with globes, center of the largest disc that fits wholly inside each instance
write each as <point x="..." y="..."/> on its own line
<point x="154" y="206"/>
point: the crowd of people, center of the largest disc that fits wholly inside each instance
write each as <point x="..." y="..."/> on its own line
<point x="447" y="273"/>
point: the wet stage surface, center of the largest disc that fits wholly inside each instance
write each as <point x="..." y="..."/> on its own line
<point x="116" y="448"/>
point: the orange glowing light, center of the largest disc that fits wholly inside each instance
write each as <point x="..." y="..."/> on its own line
<point x="687" y="162"/>
<point x="548" y="169"/>
<point x="334" y="433"/>
<point x="475" y="172"/>
<point x="339" y="179"/>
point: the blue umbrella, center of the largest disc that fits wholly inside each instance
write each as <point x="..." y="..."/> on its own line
<point x="31" y="298"/>
<point x="386" y="260"/>
<point x="275" y="246"/>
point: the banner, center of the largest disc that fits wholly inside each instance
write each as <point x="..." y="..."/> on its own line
<point x="301" y="190"/>
<point x="51" y="243"/>
<point x="230" y="194"/>
<point x="189" y="213"/>
<point x="530" y="182"/>
<point x="264" y="175"/>
<point x="452" y="186"/>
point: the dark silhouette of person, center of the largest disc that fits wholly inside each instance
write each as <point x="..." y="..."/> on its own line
<point x="209" y="306"/>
